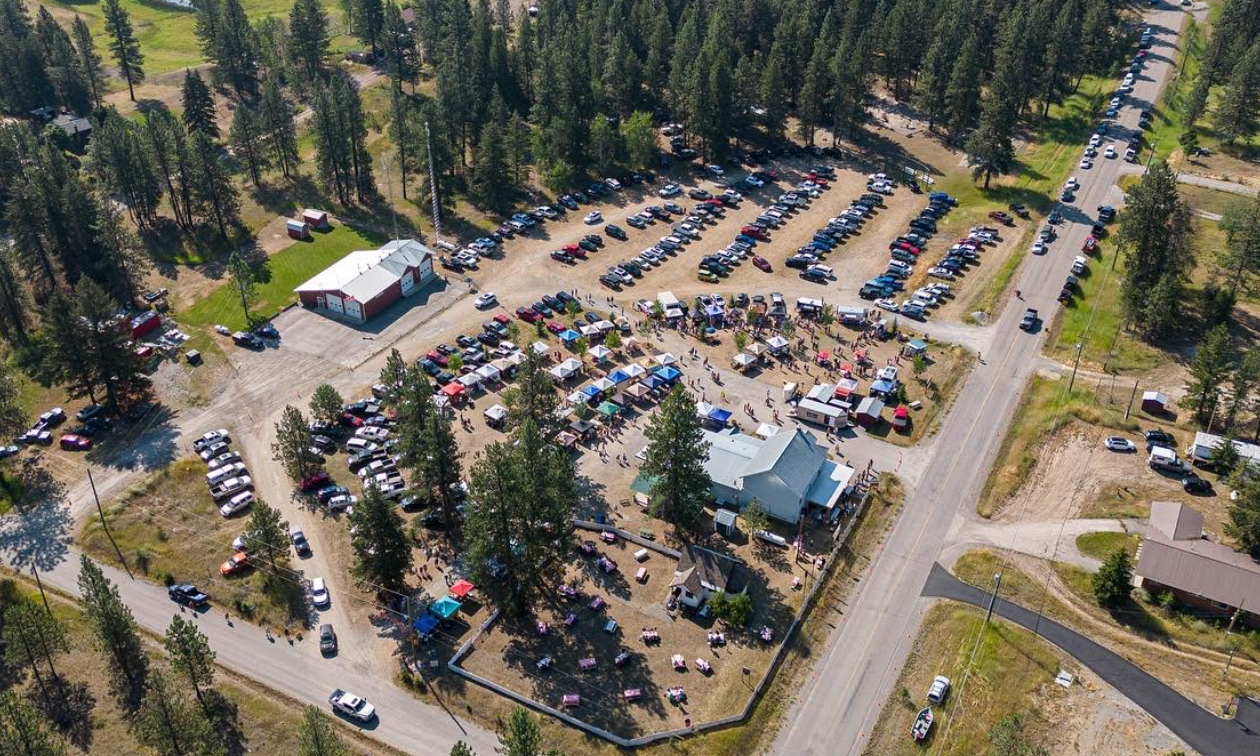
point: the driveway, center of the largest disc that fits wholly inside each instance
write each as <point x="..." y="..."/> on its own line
<point x="1203" y="731"/>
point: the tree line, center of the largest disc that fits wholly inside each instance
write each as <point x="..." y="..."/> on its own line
<point x="1230" y="66"/>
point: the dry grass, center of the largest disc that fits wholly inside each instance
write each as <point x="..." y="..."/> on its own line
<point x="168" y="528"/>
<point x="1011" y="667"/>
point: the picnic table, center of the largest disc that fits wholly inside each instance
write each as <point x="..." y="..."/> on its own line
<point x="716" y="638"/>
<point x="610" y="627"/>
<point x="607" y="536"/>
<point x="676" y="695"/>
<point x="607" y="565"/>
<point x="620" y="659"/>
<point x="704" y="666"/>
<point x="545" y="663"/>
<point x="572" y="699"/>
<point x="587" y="664"/>
<point x="766" y="634"/>
<point x="587" y="547"/>
<point x="650" y="636"/>
<point x="570" y="619"/>
<point x="566" y="590"/>
<point x="632" y="694"/>
<point x="680" y="664"/>
<point x="597" y="603"/>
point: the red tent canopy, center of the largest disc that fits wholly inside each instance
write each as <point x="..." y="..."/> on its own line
<point x="453" y="389"/>
<point x="823" y="354"/>
<point x="462" y="588"/>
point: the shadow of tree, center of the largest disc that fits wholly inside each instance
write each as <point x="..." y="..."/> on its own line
<point x="225" y="717"/>
<point x="70" y="709"/>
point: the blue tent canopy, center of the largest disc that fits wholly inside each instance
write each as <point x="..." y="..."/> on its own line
<point x="881" y="387"/>
<point x="445" y="607"/>
<point x="569" y="336"/>
<point x="713" y="311"/>
<point x="652" y="382"/>
<point x="619" y="376"/>
<point x="591" y="391"/>
<point x="668" y="374"/>
<point x="426" y="624"/>
<point x="719" y="415"/>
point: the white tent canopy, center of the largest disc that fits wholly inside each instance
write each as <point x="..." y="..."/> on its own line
<point x="599" y="351"/>
<point x="604" y="325"/>
<point x="777" y="343"/>
<point x="766" y="430"/>
<point x="755" y="349"/>
<point x="469" y="380"/>
<point x="497" y="412"/>
<point x="566" y="369"/>
<point x="743" y="360"/>
<point x="588" y="330"/>
<point x="665" y="359"/>
<point x="540" y="348"/>
<point x="488" y="373"/>
<point x="634" y="370"/>
<point x="603" y="384"/>
<point x="577" y="397"/>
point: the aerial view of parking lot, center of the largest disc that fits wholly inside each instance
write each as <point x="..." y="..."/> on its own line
<point x="575" y="377"/>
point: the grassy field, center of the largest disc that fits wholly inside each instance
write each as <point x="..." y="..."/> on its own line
<point x="1103" y="544"/>
<point x="166" y="31"/>
<point x="1011" y="667"/>
<point x="1168" y="124"/>
<point x="255" y="721"/>
<point x="282" y="272"/>
<point x="1045" y="407"/>
<point x="1094" y="318"/>
<point x="169" y="528"/>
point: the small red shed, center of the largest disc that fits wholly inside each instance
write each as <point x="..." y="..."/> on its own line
<point x="316" y="219"/>
<point x="297" y="229"/>
<point x="143" y="323"/>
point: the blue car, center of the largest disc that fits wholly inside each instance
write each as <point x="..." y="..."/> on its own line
<point x="744" y="239"/>
<point x="943" y="197"/>
<point x="485" y="242"/>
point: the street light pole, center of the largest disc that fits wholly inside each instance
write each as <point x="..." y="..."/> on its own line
<point x="997" y="583"/>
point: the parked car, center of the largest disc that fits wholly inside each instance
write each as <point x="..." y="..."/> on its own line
<point x="1193" y="484"/>
<point x="1030" y="320"/>
<point x="939" y="690"/>
<point x="351" y="705"/>
<point x="327" y="640"/>
<point x="187" y="595"/>
<point x="485" y="300"/>
<point x="319" y="593"/>
<point x="73" y="442"/>
<point x="1119" y="444"/>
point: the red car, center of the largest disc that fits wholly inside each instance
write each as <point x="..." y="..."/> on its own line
<point x="820" y="180"/>
<point x="756" y="232"/>
<point x="318" y="480"/>
<point x="555" y="327"/>
<point x="761" y="263"/>
<point x="437" y="357"/>
<point x="72" y="442"/>
<point x="351" y="419"/>
<point x="905" y="246"/>
<point x="1090" y="245"/>
<point x="502" y="318"/>
<point x="528" y="315"/>
<point x="236" y="563"/>
<point x="575" y="251"/>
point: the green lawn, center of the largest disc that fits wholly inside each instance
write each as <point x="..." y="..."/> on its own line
<point x="283" y="271"/>
<point x="1103" y="544"/>
<point x="166" y="31"/>
<point x="1167" y="124"/>
<point x="1094" y="319"/>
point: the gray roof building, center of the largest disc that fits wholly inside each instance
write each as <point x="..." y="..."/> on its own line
<point x="1175" y="556"/>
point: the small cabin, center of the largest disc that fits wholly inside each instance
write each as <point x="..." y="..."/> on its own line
<point x="297" y="229"/>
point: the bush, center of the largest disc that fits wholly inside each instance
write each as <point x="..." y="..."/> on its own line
<point x="733" y="610"/>
<point x="143" y="561"/>
<point x="1114" y="580"/>
<point x="168" y="579"/>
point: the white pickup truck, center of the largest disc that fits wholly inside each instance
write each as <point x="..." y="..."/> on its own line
<point x="351" y="705"/>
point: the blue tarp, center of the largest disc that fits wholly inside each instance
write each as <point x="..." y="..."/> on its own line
<point x="426" y="624"/>
<point x="619" y="376"/>
<point x="881" y="387"/>
<point x="569" y="336"/>
<point x="445" y="607"/>
<point x="652" y="382"/>
<point x="591" y="391"/>
<point x="719" y="415"/>
<point x="668" y="374"/>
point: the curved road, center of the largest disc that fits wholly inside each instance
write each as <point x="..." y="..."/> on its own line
<point x="838" y="707"/>
<point x="1208" y="734"/>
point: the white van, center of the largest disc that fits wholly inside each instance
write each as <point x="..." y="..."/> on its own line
<point x="1079" y="264"/>
<point x="214" y="477"/>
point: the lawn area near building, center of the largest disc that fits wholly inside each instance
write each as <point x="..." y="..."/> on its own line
<point x="282" y="272"/>
<point x="1103" y="544"/>
<point x="1011" y="667"/>
<point x="169" y="529"/>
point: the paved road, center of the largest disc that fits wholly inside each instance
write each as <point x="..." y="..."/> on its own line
<point x="1218" y="184"/>
<point x="296" y="669"/>
<point x="1200" y="729"/>
<point x="837" y="709"/>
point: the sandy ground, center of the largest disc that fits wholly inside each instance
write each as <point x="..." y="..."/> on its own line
<point x="1095" y="719"/>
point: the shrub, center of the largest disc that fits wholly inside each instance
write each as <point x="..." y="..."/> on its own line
<point x="733" y="610"/>
<point x="143" y="561"/>
<point x="168" y="579"/>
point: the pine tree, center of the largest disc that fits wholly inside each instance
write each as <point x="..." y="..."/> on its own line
<point x="1241" y="255"/>
<point x="292" y="447"/>
<point x="1209" y="371"/>
<point x="124" y="46"/>
<point x="441" y="472"/>
<point x="962" y="95"/>
<point x="1244" y="513"/>
<point x="115" y="630"/>
<point x="32" y="635"/>
<point x="326" y="404"/>
<point x="86" y="351"/>
<point x="276" y="115"/>
<point x="248" y="142"/>
<point x="89" y="58"/>
<point x="199" y="108"/>
<point x="381" y="547"/>
<point x="166" y="141"/>
<point x="369" y="19"/>
<point x="1238" y="112"/>
<point x="1243" y="385"/>
<point x="308" y="39"/>
<point x="523" y="736"/>
<point x="317" y="735"/>
<point x="191" y="655"/>
<point x="533" y="398"/>
<point x="341" y="156"/>
<point x="170" y="725"/>
<point x="774" y="95"/>
<point x="267" y="537"/>
<point x="675" y="459"/>
<point x="206" y="26"/>
<point x="213" y="190"/>
<point x="123" y="167"/>
<point x="639" y="138"/>
<point x="24" y="731"/>
<point x="398" y="47"/>
<point x="1114" y="580"/>
<point x="462" y="749"/>
<point x="122" y="261"/>
<point x="61" y="64"/>
<point x="14" y="328"/>
<point x="604" y="145"/>
<point x="244" y="279"/>
<point x="1155" y="234"/>
<point x="235" y="51"/>
<point x="492" y="181"/>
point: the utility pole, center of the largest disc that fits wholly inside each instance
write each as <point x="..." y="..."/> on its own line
<point x="40" y="583"/>
<point x="1234" y="648"/>
<point x="1132" y="396"/>
<point x="389" y="187"/>
<point x="433" y="192"/>
<point x="1080" y="346"/>
<point x="997" y="583"/>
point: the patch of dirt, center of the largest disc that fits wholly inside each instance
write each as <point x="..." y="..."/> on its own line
<point x="1097" y="720"/>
